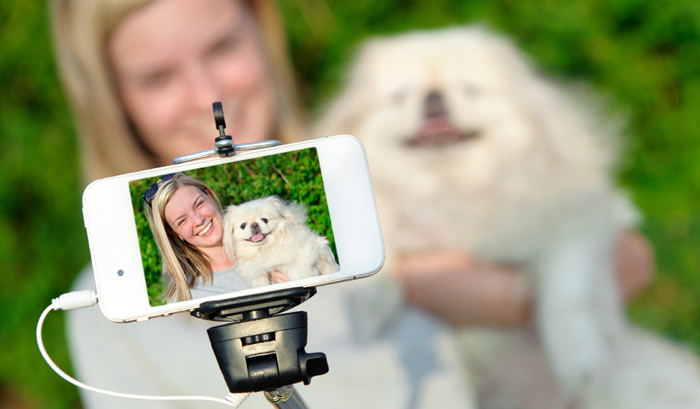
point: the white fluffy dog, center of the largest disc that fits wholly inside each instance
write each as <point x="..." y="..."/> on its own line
<point x="471" y="149"/>
<point x="267" y="235"/>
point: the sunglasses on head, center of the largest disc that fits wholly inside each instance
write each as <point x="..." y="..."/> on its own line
<point x="151" y="192"/>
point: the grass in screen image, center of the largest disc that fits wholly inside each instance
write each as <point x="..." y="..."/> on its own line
<point x="293" y="176"/>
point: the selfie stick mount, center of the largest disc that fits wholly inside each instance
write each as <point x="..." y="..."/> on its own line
<point x="224" y="145"/>
<point x="261" y="351"/>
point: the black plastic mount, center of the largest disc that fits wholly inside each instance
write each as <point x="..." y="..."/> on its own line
<point x="261" y="351"/>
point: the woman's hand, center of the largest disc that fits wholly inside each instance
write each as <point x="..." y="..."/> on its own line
<point x="278" y="277"/>
<point x="463" y="290"/>
<point x="636" y="264"/>
<point x="466" y="291"/>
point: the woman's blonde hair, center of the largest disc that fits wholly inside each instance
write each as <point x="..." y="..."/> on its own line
<point x="183" y="264"/>
<point x="109" y="145"/>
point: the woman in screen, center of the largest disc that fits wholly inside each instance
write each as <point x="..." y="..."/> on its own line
<point x="186" y="220"/>
<point x="141" y="76"/>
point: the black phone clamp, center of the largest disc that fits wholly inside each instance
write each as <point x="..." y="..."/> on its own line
<point x="261" y="351"/>
<point x="223" y="144"/>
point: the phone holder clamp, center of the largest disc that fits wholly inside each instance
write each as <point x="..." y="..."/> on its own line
<point x="224" y="145"/>
<point x="259" y="350"/>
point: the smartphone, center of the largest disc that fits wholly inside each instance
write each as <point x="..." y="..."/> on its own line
<point x="327" y="177"/>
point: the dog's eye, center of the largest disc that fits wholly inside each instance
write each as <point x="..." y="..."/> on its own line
<point x="470" y="90"/>
<point x="264" y="220"/>
<point x="243" y="226"/>
<point x="399" y="96"/>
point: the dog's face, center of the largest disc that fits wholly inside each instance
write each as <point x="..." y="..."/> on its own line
<point x="256" y="223"/>
<point x="252" y="223"/>
<point x="439" y="93"/>
<point x="443" y="99"/>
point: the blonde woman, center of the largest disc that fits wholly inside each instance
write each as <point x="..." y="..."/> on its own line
<point x="141" y="76"/>
<point x="142" y="97"/>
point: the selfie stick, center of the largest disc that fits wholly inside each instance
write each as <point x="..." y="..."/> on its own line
<point x="259" y="351"/>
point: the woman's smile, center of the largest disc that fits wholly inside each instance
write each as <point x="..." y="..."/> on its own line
<point x="206" y="229"/>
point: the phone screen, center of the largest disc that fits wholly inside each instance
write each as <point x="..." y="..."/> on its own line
<point x="292" y="180"/>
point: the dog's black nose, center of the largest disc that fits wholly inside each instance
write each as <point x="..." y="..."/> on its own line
<point x="434" y="105"/>
<point x="254" y="225"/>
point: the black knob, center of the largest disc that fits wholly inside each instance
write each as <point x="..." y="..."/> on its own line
<point x="219" y="115"/>
<point x="312" y="364"/>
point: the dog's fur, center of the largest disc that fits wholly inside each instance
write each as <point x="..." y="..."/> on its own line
<point x="267" y="235"/>
<point x="471" y="149"/>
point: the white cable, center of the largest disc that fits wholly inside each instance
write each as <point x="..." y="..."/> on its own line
<point x="81" y="299"/>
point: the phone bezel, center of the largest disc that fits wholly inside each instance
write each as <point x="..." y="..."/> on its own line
<point x="109" y="221"/>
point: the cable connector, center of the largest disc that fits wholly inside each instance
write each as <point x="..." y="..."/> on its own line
<point x="237" y="398"/>
<point x="74" y="300"/>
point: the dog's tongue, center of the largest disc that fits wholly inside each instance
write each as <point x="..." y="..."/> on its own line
<point x="436" y="131"/>
<point x="437" y="124"/>
<point x="257" y="237"/>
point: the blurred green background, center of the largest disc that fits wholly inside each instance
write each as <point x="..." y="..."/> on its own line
<point x="645" y="56"/>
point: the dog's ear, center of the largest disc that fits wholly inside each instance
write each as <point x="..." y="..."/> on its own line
<point x="229" y="240"/>
<point x="342" y="115"/>
<point x="228" y="216"/>
<point x="292" y="212"/>
<point x="571" y="118"/>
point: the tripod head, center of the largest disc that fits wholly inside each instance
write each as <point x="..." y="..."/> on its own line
<point x="261" y="351"/>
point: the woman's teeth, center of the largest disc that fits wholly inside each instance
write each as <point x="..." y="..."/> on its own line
<point x="206" y="229"/>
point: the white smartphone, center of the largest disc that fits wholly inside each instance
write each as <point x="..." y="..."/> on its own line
<point x="328" y="177"/>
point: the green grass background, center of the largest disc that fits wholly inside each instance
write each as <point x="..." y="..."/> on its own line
<point x="643" y="55"/>
<point x="293" y="176"/>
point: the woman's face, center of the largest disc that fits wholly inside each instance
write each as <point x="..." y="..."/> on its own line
<point x="173" y="58"/>
<point x="193" y="215"/>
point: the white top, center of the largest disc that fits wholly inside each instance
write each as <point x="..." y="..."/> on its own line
<point x="381" y="354"/>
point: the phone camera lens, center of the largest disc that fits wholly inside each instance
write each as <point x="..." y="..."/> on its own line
<point x="120" y="273"/>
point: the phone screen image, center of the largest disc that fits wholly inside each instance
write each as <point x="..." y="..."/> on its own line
<point x="275" y="196"/>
